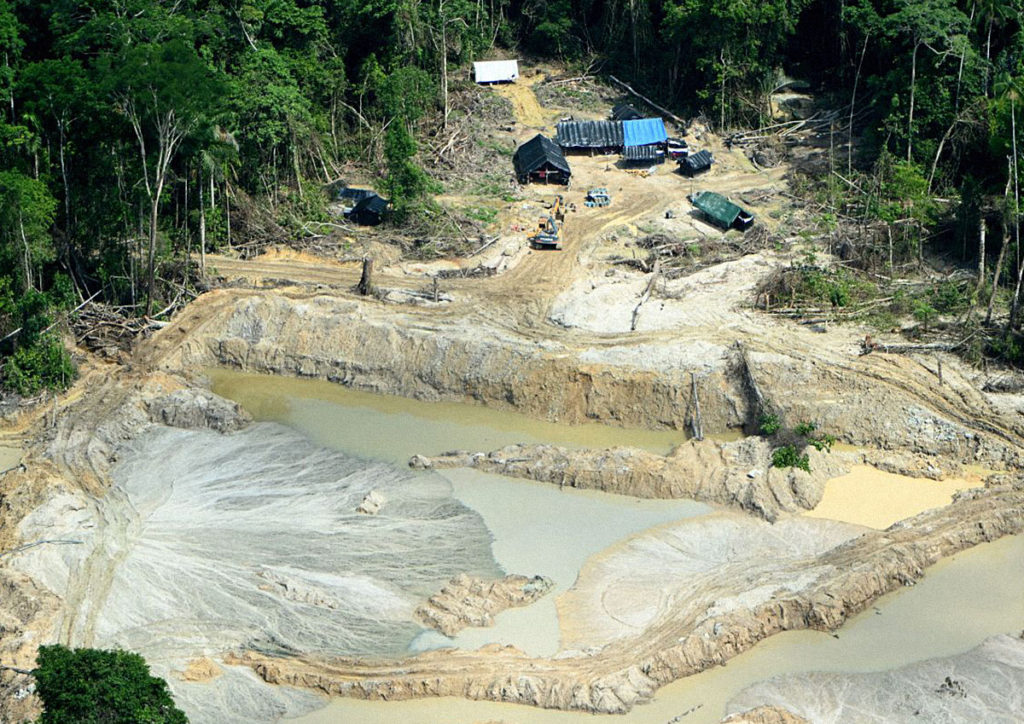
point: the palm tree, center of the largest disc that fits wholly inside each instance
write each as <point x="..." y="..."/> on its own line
<point x="217" y="158"/>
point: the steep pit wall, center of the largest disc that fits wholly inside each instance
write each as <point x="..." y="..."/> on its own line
<point x="882" y="401"/>
<point x="378" y="348"/>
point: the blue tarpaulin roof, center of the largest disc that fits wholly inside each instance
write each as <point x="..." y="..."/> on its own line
<point x="644" y="132"/>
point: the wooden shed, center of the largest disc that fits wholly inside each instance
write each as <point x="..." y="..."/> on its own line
<point x="539" y="159"/>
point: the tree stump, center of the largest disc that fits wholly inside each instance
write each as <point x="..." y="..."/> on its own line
<point x="365" y="287"/>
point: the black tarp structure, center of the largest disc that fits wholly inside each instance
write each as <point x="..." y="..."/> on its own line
<point x="625" y="112"/>
<point x="677" y="148"/>
<point x="696" y="162"/>
<point x="539" y="159"/>
<point x="369" y="211"/>
<point x="353" y="195"/>
<point x="590" y="135"/>
<point x="643" y="154"/>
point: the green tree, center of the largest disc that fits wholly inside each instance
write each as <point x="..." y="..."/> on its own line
<point x="11" y="46"/>
<point x="271" y="107"/>
<point x="88" y="686"/>
<point x="58" y="93"/>
<point x="26" y="213"/>
<point x="931" y="24"/>
<point x="166" y="93"/>
<point x="406" y="182"/>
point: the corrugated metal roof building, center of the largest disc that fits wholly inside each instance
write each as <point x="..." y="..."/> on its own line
<point x="539" y="158"/>
<point x="721" y="211"/>
<point x="643" y="154"/>
<point x="644" y="132"/>
<point x="496" y="71"/>
<point x="696" y="162"/>
<point x="604" y="135"/>
<point x="625" y="112"/>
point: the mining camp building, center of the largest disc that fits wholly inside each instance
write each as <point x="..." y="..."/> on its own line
<point x="369" y="211"/>
<point x="644" y="132"/>
<point x="539" y="159"/>
<point x="719" y="210"/>
<point x="643" y="140"/>
<point x="696" y="163"/>
<point x="600" y="136"/>
<point x="625" y="112"/>
<point x="496" y="71"/>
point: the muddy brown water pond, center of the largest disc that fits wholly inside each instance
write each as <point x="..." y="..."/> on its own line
<point x="960" y="602"/>
<point x="538" y="529"/>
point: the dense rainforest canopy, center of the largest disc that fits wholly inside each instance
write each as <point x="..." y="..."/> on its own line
<point x="136" y="132"/>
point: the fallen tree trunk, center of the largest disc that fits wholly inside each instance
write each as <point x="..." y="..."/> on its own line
<point x="651" y="103"/>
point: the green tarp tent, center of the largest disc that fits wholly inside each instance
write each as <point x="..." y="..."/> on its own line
<point x="721" y="210"/>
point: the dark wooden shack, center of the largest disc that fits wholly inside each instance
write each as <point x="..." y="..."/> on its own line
<point x="625" y="112"/>
<point x="539" y="159"/>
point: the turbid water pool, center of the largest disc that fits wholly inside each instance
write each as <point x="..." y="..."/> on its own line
<point x="536" y="529"/>
<point x="960" y="602"/>
<point x="913" y="624"/>
<point x="252" y="540"/>
<point x="212" y="543"/>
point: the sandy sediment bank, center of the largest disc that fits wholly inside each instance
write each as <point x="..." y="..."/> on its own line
<point x="469" y="601"/>
<point x="737" y="473"/>
<point x="54" y="505"/>
<point x="983" y="684"/>
<point x="837" y="584"/>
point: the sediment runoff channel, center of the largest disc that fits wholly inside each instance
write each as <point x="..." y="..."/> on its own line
<point x="252" y="540"/>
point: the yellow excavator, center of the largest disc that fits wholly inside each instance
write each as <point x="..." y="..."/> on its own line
<point x="547" y="234"/>
<point x="557" y="208"/>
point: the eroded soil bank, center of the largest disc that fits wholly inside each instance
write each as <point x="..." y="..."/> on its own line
<point x="886" y="402"/>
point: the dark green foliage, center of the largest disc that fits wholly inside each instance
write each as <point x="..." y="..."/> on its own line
<point x="88" y="686"/>
<point x="39" y="360"/>
<point x="788" y="456"/>
<point x="1009" y="348"/>
<point x="792" y="442"/>
<point x="768" y="423"/>
<point x="406" y="182"/>
<point x="823" y="443"/>
<point x="805" y="428"/>
<point x="814" y="286"/>
<point x="44" y="364"/>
